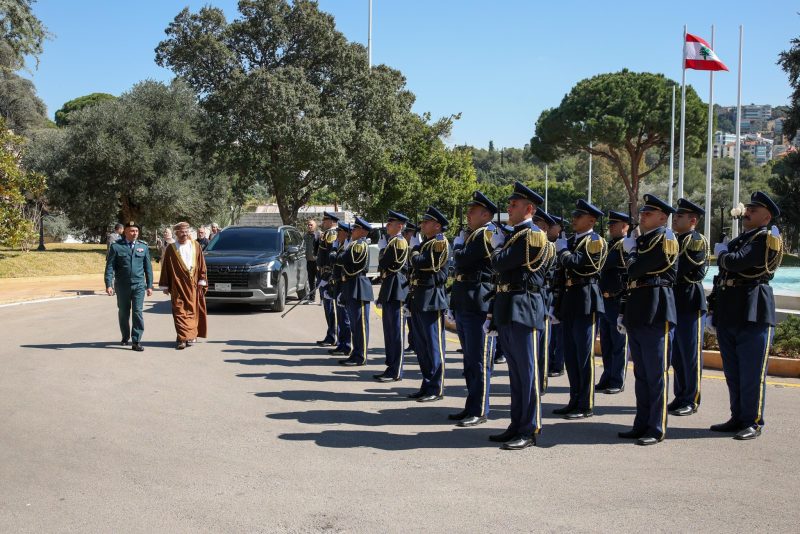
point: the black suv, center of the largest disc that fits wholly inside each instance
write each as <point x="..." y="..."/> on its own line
<point x="256" y="265"/>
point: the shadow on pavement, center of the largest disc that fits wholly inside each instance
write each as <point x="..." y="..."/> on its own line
<point x="97" y="345"/>
<point x="454" y="438"/>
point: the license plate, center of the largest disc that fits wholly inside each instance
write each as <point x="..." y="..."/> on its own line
<point x="222" y="287"/>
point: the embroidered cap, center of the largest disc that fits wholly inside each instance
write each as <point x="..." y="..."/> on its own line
<point x="479" y="199"/>
<point x="584" y="208"/>
<point x="759" y="198"/>
<point x="687" y="206"/>
<point x="653" y="203"/>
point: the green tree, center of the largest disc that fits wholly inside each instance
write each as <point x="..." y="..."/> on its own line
<point x="20" y="107"/>
<point x="62" y="115"/>
<point x="785" y="184"/>
<point x="789" y="60"/>
<point x="21" y="34"/>
<point x="625" y="115"/>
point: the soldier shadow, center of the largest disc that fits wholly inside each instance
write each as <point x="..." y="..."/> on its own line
<point x="96" y="345"/>
<point x="268" y="352"/>
<point x="604" y="433"/>
<point x="304" y="362"/>
<point x="454" y="438"/>
<point x="409" y="415"/>
<point x="309" y="377"/>
<point x="160" y="307"/>
<point x="327" y="396"/>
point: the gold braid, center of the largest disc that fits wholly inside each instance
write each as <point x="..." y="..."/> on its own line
<point x="445" y="254"/>
<point x="770" y="266"/>
<point x="596" y="265"/>
<point x="362" y="250"/>
<point x="397" y="259"/>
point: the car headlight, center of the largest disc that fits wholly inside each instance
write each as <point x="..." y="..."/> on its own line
<point x="266" y="279"/>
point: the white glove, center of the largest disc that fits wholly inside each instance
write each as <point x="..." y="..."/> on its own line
<point x="775" y="231"/>
<point x="551" y="312"/>
<point x="710" y="328"/>
<point x="621" y="327"/>
<point x="719" y="248"/>
<point x="406" y="312"/>
<point x="323" y="283"/>
<point x="450" y="317"/>
<point x="335" y="245"/>
<point x="378" y="305"/>
<point x="486" y="325"/>
<point x="382" y="243"/>
<point x="458" y="241"/>
<point x="629" y="244"/>
<point x="498" y="239"/>
<point x="561" y="244"/>
<point x="414" y="241"/>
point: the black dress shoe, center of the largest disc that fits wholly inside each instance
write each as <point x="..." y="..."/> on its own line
<point x="124" y="342"/>
<point x="508" y="435"/>
<point x="600" y="388"/>
<point x="683" y="410"/>
<point x="501" y="359"/>
<point x="519" y="442"/>
<point x="351" y="363"/>
<point x="579" y="414"/>
<point x="613" y="391"/>
<point x="553" y="374"/>
<point x="430" y="398"/>
<point x="565" y="410"/>
<point x="647" y="440"/>
<point x="409" y="349"/>
<point x="385" y="378"/>
<point x="751" y="432"/>
<point x="415" y="395"/>
<point x="457" y="416"/>
<point x="460" y="350"/>
<point x="631" y="434"/>
<point x="472" y="420"/>
<point x="323" y="343"/>
<point x="672" y="405"/>
<point x="337" y="352"/>
<point x="731" y="425"/>
<point x="180" y="345"/>
<point x="137" y="347"/>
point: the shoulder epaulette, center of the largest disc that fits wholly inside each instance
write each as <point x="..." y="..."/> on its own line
<point x="537" y="238"/>
<point x="595" y="246"/>
<point x="439" y="245"/>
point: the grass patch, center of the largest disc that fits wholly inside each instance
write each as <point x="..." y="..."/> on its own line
<point x="59" y="259"/>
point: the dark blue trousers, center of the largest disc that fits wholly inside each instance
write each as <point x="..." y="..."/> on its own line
<point x="555" y="354"/>
<point x="614" y="347"/>
<point x="543" y="351"/>
<point x="344" y="334"/>
<point x="526" y="408"/>
<point x="498" y="348"/>
<point x="429" y="343"/>
<point x="478" y="357"/>
<point x="394" y="333"/>
<point x="358" y="312"/>
<point x="650" y="351"/>
<point x="330" y="318"/>
<point x="410" y="338"/>
<point x="745" y="351"/>
<point x="579" y="334"/>
<point x="687" y="358"/>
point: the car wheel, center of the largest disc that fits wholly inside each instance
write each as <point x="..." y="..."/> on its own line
<point x="280" y="289"/>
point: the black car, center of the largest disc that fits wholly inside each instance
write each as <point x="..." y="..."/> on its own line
<point x="256" y="265"/>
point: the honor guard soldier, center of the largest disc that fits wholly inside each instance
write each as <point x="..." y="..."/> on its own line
<point x="325" y="269"/>
<point x="582" y="257"/>
<point x="544" y="221"/>
<point x="410" y="235"/>
<point x="392" y="295"/>
<point x="356" y="291"/>
<point x="428" y="302"/>
<point x="743" y="312"/>
<point x="555" y="350"/>
<point x="129" y="271"/>
<point x="469" y="301"/>
<point x="690" y="306"/>
<point x="613" y="283"/>
<point x="518" y="314"/>
<point x="336" y="257"/>
<point x="648" y="317"/>
<point x="505" y="231"/>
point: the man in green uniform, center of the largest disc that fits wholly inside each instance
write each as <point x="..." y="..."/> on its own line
<point x="128" y="267"/>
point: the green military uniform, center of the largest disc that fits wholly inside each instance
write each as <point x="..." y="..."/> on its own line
<point x="128" y="266"/>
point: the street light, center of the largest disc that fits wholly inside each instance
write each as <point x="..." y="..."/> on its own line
<point x="42" y="213"/>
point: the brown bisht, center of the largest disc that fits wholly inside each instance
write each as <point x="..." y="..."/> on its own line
<point x="188" y="298"/>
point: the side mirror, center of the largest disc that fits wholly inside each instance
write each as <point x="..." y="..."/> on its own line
<point x="292" y="249"/>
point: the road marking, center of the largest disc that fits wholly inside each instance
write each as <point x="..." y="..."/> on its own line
<point x="39" y="301"/>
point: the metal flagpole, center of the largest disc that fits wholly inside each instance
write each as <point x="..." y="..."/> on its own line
<point x="671" y="151"/>
<point x="707" y="222"/>
<point x="369" y="37"/>
<point x="589" y="192"/>
<point x="683" y="113"/>
<point x="545" y="187"/>
<point x="738" y="147"/>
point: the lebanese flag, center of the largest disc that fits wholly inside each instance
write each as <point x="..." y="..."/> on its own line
<point x="697" y="54"/>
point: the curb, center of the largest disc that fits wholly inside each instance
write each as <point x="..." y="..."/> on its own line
<point x="51" y="299"/>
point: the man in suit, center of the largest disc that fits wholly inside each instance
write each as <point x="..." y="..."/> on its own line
<point x="129" y="271"/>
<point x="356" y="290"/>
<point x="744" y="313"/>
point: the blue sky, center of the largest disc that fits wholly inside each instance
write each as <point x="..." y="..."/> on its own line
<point x="499" y="63"/>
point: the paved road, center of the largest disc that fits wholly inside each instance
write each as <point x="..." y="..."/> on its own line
<point x="258" y="430"/>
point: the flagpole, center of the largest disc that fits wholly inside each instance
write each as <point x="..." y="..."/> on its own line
<point x="683" y="114"/>
<point x="545" y="187"/>
<point x="671" y="150"/>
<point x="710" y="148"/>
<point x="738" y="146"/>
<point x="369" y="37"/>
<point x="589" y="192"/>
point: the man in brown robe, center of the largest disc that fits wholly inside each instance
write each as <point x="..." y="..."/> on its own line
<point x="183" y="277"/>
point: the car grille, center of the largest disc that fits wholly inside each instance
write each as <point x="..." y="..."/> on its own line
<point x="236" y="275"/>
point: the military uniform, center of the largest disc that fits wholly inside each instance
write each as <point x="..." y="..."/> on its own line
<point x="356" y="293"/>
<point x="690" y="307"/>
<point x="613" y="283"/>
<point x="469" y="300"/>
<point x="555" y="285"/>
<point x="543" y="352"/>
<point x="325" y="269"/>
<point x="518" y="316"/>
<point x="343" y="329"/>
<point x="427" y="303"/>
<point x="129" y="269"/>
<point x="743" y="312"/>
<point x="391" y="297"/>
<point x="581" y="303"/>
<point x="649" y="319"/>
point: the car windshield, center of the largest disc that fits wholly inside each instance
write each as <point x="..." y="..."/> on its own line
<point x="245" y="239"/>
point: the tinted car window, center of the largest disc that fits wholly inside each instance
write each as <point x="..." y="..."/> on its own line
<point x="245" y="239"/>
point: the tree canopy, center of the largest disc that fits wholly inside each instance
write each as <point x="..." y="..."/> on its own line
<point x="22" y="34"/>
<point x="20" y="107"/>
<point x="62" y="115"/>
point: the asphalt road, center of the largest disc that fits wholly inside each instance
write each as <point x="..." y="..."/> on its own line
<point x="257" y="429"/>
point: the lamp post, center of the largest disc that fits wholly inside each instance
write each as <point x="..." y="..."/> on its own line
<point x="42" y="213"/>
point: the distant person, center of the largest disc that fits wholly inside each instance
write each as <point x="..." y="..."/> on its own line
<point x="215" y="230"/>
<point x="183" y="278"/>
<point x="165" y="241"/>
<point x="115" y="236"/>
<point x="129" y="270"/>
<point x="201" y="237"/>
<point x="311" y="243"/>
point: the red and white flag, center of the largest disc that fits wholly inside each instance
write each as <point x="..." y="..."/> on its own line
<point x="697" y="54"/>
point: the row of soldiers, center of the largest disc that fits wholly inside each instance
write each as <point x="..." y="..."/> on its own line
<point x="529" y="291"/>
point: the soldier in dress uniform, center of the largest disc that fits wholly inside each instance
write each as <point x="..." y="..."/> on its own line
<point x="410" y="235"/>
<point x="648" y="317"/>
<point x="392" y="296"/>
<point x="544" y="221"/>
<point x="690" y="306"/>
<point x="336" y="257"/>
<point x="428" y="302"/>
<point x="499" y="353"/>
<point x="518" y="314"/>
<point x="129" y="273"/>
<point x="356" y="290"/>
<point x="743" y="312"/>
<point x="613" y="283"/>
<point x="555" y="351"/>
<point x="582" y="257"/>
<point x="325" y="269"/>
<point x="469" y="301"/>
